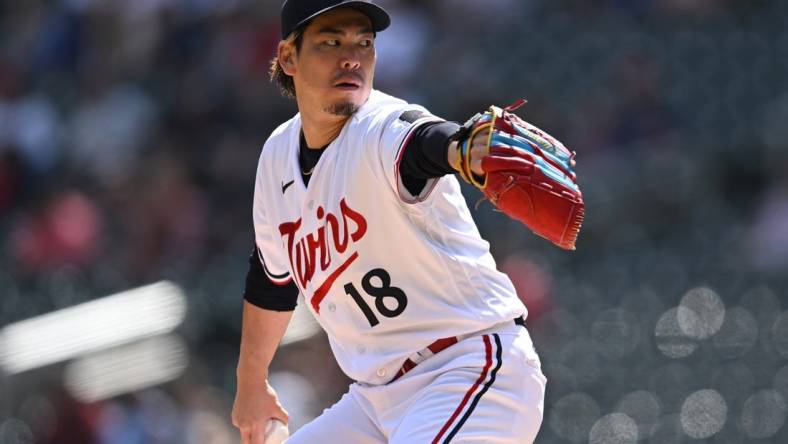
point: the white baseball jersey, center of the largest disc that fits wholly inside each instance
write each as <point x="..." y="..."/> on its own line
<point x="385" y="273"/>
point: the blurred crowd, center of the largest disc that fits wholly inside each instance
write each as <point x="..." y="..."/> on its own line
<point x="129" y="137"/>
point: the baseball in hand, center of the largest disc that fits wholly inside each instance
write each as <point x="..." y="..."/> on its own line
<point x="276" y="432"/>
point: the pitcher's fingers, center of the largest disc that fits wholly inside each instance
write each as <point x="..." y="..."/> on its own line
<point x="257" y="433"/>
<point x="282" y="415"/>
<point x="246" y="435"/>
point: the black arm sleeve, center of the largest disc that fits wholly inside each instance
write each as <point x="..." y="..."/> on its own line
<point x="260" y="291"/>
<point x="425" y="155"/>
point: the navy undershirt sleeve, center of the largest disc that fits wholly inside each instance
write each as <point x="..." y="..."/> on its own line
<point x="425" y="155"/>
<point x="262" y="292"/>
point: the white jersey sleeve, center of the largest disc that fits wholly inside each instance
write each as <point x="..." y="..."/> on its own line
<point x="269" y="242"/>
<point x="391" y="132"/>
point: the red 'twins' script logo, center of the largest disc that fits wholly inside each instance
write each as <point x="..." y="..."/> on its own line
<point x="314" y="249"/>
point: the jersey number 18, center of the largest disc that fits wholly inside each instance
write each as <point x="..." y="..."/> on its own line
<point x="381" y="293"/>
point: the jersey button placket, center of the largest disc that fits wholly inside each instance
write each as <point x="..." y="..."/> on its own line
<point x="381" y="372"/>
<point x="332" y="307"/>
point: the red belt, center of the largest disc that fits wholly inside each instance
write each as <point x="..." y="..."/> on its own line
<point x="437" y="346"/>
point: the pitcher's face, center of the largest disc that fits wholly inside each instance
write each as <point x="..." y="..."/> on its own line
<point x="336" y="64"/>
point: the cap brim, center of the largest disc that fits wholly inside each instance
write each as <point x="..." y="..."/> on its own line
<point x="378" y="16"/>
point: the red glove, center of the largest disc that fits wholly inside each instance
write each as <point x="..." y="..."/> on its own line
<point x="528" y="174"/>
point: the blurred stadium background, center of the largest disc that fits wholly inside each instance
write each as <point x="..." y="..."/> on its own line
<point x="129" y="134"/>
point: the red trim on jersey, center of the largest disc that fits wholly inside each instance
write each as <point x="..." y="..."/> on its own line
<point x="401" y="153"/>
<point x="322" y="291"/>
<point x="402" y="147"/>
<point x="482" y="377"/>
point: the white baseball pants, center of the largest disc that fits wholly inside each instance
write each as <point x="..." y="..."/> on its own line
<point x="486" y="389"/>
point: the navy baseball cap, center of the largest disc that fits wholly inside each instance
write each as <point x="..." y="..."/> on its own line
<point x="297" y="12"/>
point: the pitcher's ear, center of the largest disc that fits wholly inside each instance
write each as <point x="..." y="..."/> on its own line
<point x="286" y="56"/>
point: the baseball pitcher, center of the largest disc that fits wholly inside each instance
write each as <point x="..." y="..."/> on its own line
<point x="357" y="207"/>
